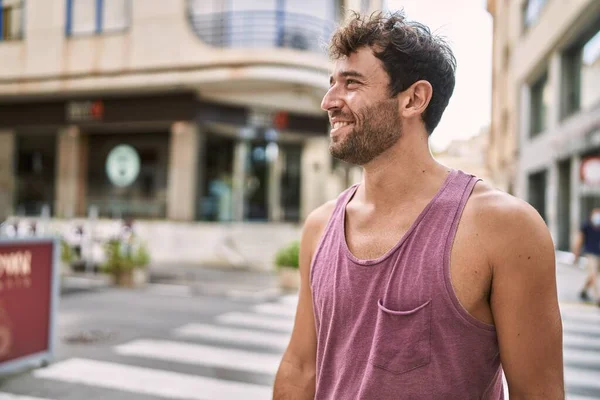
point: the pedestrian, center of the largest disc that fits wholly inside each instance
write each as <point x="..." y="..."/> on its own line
<point x="421" y="281"/>
<point x="588" y="242"/>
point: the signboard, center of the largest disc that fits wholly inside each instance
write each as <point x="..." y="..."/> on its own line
<point x="81" y="111"/>
<point x="28" y="300"/>
<point x="123" y="165"/>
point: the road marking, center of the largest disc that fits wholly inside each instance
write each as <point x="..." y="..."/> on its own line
<point x="275" y="309"/>
<point x="290" y="299"/>
<point x="169" y="290"/>
<point x="10" y="396"/>
<point x="256" y="321"/>
<point x="588" y="342"/>
<point x="165" y="384"/>
<point x="201" y="355"/>
<point x="582" y="377"/>
<point x="581" y="328"/>
<point x="234" y="335"/>
<point x="577" y="397"/>
<point x="583" y="358"/>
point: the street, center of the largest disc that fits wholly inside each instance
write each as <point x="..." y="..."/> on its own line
<point x="168" y="341"/>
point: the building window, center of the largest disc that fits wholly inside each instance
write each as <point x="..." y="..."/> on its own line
<point x="11" y="19"/>
<point x="88" y="17"/>
<point x="532" y="10"/>
<point x="581" y="75"/>
<point x="540" y="104"/>
<point x="537" y="192"/>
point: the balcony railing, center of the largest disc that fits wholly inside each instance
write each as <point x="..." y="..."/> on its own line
<point x="262" y="29"/>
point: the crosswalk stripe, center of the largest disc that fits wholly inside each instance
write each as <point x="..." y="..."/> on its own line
<point x="275" y="309"/>
<point x="587" y="358"/>
<point x="10" y="396"/>
<point x="577" y="397"/>
<point x="581" y="328"/>
<point x="582" y="377"/>
<point x="291" y="299"/>
<point x="201" y="355"/>
<point x="234" y="335"/>
<point x="588" y="342"/>
<point x="256" y="321"/>
<point x="165" y="384"/>
<point x="593" y="317"/>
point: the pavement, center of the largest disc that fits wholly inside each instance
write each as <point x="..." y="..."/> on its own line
<point x="189" y="335"/>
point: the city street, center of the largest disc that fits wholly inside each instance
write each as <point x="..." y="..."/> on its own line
<point x="171" y="341"/>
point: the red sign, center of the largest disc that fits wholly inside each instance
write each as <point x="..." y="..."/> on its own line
<point x="26" y="282"/>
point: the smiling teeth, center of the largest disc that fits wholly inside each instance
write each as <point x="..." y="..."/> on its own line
<point x="340" y="124"/>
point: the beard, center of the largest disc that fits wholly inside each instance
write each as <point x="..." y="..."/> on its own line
<point x="376" y="128"/>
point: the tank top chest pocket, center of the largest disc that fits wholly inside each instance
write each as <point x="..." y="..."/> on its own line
<point x="402" y="339"/>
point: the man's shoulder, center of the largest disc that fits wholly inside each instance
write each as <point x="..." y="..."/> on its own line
<point x="497" y="212"/>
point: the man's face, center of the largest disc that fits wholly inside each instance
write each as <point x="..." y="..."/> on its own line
<point x="365" y="120"/>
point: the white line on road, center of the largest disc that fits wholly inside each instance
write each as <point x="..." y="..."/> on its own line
<point x="581" y="328"/>
<point x="276" y="309"/>
<point x="202" y="355"/>
<point x="588" y="342"/>
<point x="290" y="299"/>
<point x="582" y="377"/>
<point x="256" y="321"/>
<point x="164" y="384"/>
<point x="577" y="397"/>
<point x="584" y="358"/>
<point x="234" y="335"/>
<point x="10" y="396"/>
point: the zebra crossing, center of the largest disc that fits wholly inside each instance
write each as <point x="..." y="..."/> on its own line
<point x="581" y="351"/>
<point x="213" y="355"/>
<point x="215" y="347"/>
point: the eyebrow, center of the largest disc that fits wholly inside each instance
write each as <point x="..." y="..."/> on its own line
<point x="347" y="74"/>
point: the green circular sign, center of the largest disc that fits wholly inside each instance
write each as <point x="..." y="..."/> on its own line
<point x="123" y="165"/>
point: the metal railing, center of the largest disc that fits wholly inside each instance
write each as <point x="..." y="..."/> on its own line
<point x="262" y="29"/>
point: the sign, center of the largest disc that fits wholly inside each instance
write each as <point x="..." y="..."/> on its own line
<point x="123" y="165"/>
<point x="81" y="111"/>
<point x="590" y="171"/>
<point x="28" y="300"/>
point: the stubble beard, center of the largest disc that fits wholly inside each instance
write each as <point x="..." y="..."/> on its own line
<point x="380" y="128"/>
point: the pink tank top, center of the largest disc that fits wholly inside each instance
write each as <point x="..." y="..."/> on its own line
<point x="392" y="327"/>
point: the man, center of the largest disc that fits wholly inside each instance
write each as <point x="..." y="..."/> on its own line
<point x="421" y="282"/>
<point x="588" y="240"/>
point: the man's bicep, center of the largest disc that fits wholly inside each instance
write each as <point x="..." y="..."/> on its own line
<point x="525" y="309"/>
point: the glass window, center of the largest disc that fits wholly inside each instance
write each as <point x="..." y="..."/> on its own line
<point x="216" y="203"/>
<point x="581" y="76"/>
<point x="35" y="165"/>
<point x="531" y="12"/>
<point x="87" y="17"/>
<point x="11" y="19"/>
<point x="129" y="183"/>
<point x="290" y="182"/>
<point x="541" y="97"/>
<point x="537" y="192"/>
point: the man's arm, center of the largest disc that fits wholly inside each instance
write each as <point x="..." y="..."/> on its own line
<point x="524" y="301"/>
<point x="578" y="246"/>
<point x="295" y="379"/>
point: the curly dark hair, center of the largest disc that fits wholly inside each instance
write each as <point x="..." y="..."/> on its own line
<point x="409" y="53"/>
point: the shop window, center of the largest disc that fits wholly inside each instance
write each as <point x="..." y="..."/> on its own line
<point x="216" y="202"/>
<point x="532" y="10"/>
<point x="541" y="97"/>
<point x="87" y="17"/>
<point x="581" y="75"/>
<point x="11" y="19"/>
<point x="35" y="165"/>
<point x="127" y="175"/>
<point x="537" y="192"/>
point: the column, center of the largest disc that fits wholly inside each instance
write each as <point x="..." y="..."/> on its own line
<point x="555" y="80"/>
<point x="241" y="154"/>
<point x="552" y="200"/>
<point x="524" y="121"/>
<point x="276" y="160"/>
<point x="68" y="172"/>
<point x="183" y="171"/>
<point x="575" y="197"/>
<point x="316" y="164"/>
<point x="7" y="173"/>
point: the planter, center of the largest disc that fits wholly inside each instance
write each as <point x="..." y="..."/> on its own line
<point x="132" y="278"/>
<point x="289" y="278"/>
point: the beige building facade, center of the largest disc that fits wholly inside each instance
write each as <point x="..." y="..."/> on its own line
<point x="545" y="133"/>
<point x="199" y="119"/>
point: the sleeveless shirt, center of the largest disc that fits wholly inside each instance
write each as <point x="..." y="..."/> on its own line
<point x="393" y="327"/>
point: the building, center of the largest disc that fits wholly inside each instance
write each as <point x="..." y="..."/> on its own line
<point x="545" y="133"/>
<point x="200" y="119"/>
<point x="468" y="155"/>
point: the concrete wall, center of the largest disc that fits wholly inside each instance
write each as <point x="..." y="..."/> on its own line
<point x="7" y="173"/>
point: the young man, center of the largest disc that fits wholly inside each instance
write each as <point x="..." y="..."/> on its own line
<point x="588" y="240"/>
<point x="421" y="282"/>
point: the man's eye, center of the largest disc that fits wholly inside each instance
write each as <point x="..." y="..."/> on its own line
<point x="351" y="81"/>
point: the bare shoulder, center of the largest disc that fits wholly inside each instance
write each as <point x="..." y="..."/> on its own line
<point x="509" y="225"/>
<point x="315" y="224"/>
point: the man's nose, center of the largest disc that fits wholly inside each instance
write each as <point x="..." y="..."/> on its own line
<point x="331" y="101"/>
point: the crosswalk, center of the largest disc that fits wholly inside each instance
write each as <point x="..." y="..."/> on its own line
<point x="212" y="360"/>
<point x="236" y="342"/>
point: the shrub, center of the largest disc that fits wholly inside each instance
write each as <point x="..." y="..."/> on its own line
<point x="288" y="256"/>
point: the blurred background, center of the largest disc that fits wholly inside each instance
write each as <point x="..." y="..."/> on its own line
<point x="176" y="147"/>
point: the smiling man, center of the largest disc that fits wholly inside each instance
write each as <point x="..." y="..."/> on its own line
<point x="421" y="282"/>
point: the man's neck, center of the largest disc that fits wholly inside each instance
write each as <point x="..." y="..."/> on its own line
<point x="405" y="172"/>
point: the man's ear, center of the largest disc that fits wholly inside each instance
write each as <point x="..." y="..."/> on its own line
<point x="416" y="99"/>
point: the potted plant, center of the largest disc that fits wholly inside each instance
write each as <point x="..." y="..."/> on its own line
<point x="287" y="264"/>
<point x="67" y="255"/>
<point x="126" y="262"/>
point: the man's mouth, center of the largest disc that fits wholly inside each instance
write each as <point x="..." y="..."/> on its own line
<point x="340" y="124"/>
